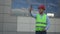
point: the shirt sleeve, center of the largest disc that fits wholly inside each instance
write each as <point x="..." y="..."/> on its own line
<point x="48" y="23"/>
<point x="33" y="15"/>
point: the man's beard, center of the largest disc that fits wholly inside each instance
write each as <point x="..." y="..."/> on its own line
<point x="41" y="12"/>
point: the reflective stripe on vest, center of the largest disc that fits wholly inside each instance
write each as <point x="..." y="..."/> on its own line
<point x="40" y="22"/>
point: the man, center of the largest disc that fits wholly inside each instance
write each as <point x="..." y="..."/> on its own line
<point x="42" y="20"/>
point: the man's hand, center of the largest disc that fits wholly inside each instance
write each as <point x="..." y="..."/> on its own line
<point x="30" y="8"/>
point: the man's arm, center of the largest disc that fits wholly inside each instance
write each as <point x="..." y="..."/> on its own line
<point x="33" y="15"/>
<point x="48" y="23"/>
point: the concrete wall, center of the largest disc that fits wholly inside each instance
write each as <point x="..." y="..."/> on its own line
<point x="9" y="24"/>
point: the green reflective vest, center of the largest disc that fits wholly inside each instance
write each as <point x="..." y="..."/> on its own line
<point x="40" y="22"/>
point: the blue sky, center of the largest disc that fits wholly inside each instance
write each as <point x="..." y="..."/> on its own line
<point x="51" y="5"/>
<point x="15" y="3"/>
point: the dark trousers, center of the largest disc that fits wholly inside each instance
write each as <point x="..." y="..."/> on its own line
<point x="40" y="32"/>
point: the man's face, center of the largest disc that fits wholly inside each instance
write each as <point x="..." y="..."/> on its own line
<point x="41" y="10"/>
